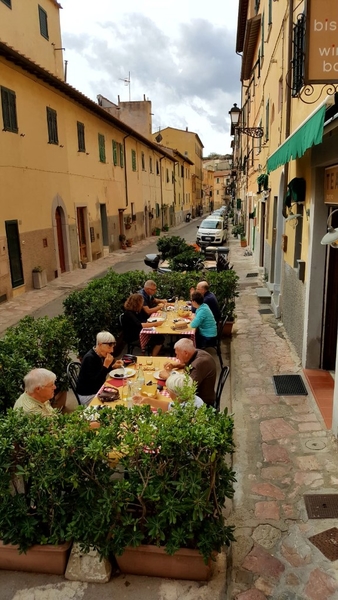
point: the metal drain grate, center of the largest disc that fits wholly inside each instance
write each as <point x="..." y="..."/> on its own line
<point x="289" y="385"/>
<point x="327" y="543"/>
<point x="321" y="506"/>
<point x="265" y="311"/>
<point x="252" y="274"/>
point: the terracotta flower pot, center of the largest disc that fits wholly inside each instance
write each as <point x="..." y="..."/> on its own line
<point x="227" y="328"/>
<point x="155" y="562"/>
<point x="244" y="243"/>
<point x="38" y="559"/>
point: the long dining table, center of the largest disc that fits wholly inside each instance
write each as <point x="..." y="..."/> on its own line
<point x="171" y="318"/>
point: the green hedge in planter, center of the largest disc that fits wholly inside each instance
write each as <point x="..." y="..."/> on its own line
<point x="57" y="484"/>
<point x="100" y="304"/>
<point x="33" y="343"/>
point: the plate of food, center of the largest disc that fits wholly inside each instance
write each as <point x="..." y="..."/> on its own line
<point x="181" y="320"/>
<point x="122" y="373"/>
<point x="156" y="375"/>
<point x="153" y="320"/>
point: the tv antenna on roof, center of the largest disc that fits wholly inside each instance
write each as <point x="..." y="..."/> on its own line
<point x="127" y="82"/>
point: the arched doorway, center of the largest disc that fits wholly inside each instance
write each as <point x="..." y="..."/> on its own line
<point x="59" y="219"/>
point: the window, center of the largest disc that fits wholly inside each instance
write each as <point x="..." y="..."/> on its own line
<point x="133" y="160"/>
<point x="115" y="156"/>
<point x="8" y="104"/>
<point x="7" y="2"/>
<point x="157" y="210"/>
<point x="217" y="192"/>
<point x="182" y="171"/>
<point x="217" y="179"/>
<point x="121" y="156"/>
<point x="157" y="168"/>
<point x="81" y="137"/>
<point x="143" y="162"/>
<point x="52" y="126"/>
<point x="102" y="147"/>
<point x="150" y="164"/>
<point x="167" y="175"/>
<point x="43" y="20"/>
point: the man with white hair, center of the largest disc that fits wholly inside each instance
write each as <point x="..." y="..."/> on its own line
<point x="179" y="385"/>
<point x="201" y="365"/>
<point x="39" y="389"/>
<point x="209" y="298"/>
<point x="95" y="367"/>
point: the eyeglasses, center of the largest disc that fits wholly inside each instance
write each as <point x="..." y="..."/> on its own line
<point x="109" y="343"/>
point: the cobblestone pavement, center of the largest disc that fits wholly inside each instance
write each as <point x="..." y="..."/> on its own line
<point x="283" y="451"/>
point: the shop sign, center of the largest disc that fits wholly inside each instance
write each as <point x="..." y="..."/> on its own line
<point x="321" y="56"/>
<point x="331" y="185"/>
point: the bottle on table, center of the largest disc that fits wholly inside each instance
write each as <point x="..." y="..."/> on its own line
<point x="140" y="378"/>
<point x="176" y="303"/>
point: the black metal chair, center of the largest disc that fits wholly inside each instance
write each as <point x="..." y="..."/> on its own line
<point x="217" y="343"/>
<point x="223" y="376"/>
<point x="73" y="370"/>
<point x="135" y="343"/>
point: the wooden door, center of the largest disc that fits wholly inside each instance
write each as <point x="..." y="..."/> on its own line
<point x="61" y="248"/>
<point x="104" y="224"/>
<point x="261" y="254"/>
<point x="14" y="253"/>
<point x="81" y="224"/>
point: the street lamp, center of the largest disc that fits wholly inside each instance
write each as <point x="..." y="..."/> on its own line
<point x="235" y="113"/>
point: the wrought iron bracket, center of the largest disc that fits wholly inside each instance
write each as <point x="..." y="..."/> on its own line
<point x="255" y="132"/>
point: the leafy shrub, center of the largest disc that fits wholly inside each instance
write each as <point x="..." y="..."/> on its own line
<point x="56" y="479"/>
<point x="171" y="246"/>
<point x="33" y="343"/>
<point x="188" y="260"/>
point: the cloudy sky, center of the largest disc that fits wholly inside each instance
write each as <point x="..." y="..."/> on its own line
<point x="180" y="54"/>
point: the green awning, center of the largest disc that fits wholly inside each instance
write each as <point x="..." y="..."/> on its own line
<point x="308" y="134"/>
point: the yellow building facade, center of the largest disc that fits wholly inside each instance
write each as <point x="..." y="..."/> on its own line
<point x="190" y="145"/>
<point x="286" y="162"/>
<point x="75" y="181"/>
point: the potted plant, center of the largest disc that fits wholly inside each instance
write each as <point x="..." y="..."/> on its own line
<point x="129" y="242"/>
<point x="122" y="240"/>
<point x="243" y="241"/>
<point x="127" y="222"/>
<point x="171" y="246"/>
<point x="165" y="227"/>
<point x="262" y="182"/>
<point x="171" y="520"/>
<point x="39" y="277"/>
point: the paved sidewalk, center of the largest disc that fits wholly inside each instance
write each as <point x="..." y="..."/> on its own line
<point x="283" y="451"/>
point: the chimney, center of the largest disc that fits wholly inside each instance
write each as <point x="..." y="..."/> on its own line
<point x="186" y="128"/>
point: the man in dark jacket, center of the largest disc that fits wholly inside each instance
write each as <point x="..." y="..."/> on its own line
<point x="209" y="298"/>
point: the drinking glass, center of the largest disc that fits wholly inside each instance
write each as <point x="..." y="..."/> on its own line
<point x="149" y="361"/>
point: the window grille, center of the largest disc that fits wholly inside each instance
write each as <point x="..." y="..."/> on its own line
<point x="298" y="43"/>
<point x="52" y="126"/>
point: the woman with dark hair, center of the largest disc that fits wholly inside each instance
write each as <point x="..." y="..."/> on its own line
<point x="204" y="321"/>
<point x="132" y="325"/>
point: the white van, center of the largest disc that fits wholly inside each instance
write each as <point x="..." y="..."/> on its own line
<point x="212" y="231"/>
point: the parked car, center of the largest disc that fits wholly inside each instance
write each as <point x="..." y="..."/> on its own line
<point x="211" y="231"/>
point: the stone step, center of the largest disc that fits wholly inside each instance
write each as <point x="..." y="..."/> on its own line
<point x="264" y="295"/>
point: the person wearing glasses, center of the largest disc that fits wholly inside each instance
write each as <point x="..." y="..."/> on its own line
<point x="39" y="390"/>
<point x="95" y="366"/>
<point x="150" y="303"/>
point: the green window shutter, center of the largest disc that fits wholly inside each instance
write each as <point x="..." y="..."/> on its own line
<point x="114" y="153"/>
<point x="43" y="20"/>
<point x="270" y="13"/>
<point x="81" y="137"/>
<point x="157" y="209"/>
<point x="121" y="156"/>
<point x="8" y="104"/>
<point x="262" y="34"/>
<point x="133" y="160"/>
<point x="52" y="126"/>
<point x="102" y="148"/>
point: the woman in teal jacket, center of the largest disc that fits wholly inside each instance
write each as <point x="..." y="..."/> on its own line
<point x="204" y="321"/>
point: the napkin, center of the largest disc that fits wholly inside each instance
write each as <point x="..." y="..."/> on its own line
<point x="116" y="382"/>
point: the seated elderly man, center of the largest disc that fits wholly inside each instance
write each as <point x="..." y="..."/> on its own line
<point x="150" y="303"/>
<point x="209" y="299"/>
<point x="201" y="365"/>
<point x="39" y="390"/>
<point x="175" y="384"/>
<point x="95" y="366"/>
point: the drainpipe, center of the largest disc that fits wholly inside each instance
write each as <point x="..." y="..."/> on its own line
<point x="161" y="188"/>
<point x="125" y="167"/>
<point x="288" y="88"/>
